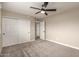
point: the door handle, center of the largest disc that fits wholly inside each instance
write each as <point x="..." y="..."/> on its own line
<point x="3" y="33"/>
<point x="43" y="31"/>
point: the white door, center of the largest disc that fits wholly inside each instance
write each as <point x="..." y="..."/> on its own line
<point x="23" y="27"/>
<point x="15" y="31"/>
<point x="32" y="30"/>
<point x="9" y="32"/>
<point x="42" y="30"/>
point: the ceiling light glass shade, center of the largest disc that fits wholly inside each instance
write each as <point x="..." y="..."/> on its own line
<point x="43" y="12"/>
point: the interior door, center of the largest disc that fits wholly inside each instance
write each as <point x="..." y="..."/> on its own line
<point x="23" y="27"/>
<point x="15" y="31"/>
<point x="32" y="30"/>
<point x="42" y="30"/>
<point x="9" y="32"/>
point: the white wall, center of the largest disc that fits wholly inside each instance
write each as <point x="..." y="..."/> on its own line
<point x="64" y="27"/>
<point x="0" y="29"/>
<point x="23" y="27"/>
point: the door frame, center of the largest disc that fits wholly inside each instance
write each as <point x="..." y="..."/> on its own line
<point x="36" y="29"/>
<point x="39" y="29"/>
<point x="44" y="29"/>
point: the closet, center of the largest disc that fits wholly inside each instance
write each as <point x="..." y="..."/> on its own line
<point x="15" y="31"/>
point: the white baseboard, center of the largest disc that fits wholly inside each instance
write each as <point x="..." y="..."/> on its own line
<point x="64" y="44"/>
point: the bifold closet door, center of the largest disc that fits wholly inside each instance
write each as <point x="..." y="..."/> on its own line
<point x="15" y="31"/>
<point x="32" y="30"/>
<point x="9" y="32"/>
<point x="23" y="26"/>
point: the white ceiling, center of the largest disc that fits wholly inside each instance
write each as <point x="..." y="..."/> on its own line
<point x="24" y="7"/>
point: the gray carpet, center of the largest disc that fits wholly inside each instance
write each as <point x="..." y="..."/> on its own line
<point x="39" y="48"/>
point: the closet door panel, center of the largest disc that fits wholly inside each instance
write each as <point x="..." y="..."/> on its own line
<point x="23" y="30"/>
<point x="9" y="31"/>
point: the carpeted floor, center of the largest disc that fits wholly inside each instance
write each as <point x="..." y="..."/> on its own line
<point x="39" y="48"/>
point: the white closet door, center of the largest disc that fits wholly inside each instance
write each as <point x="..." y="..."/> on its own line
<point x="23" y="30"/>
<point x="32" y="30"/>
<point x="9" y="32"/>
<point x="15" y="31"/>
<point x="42" y="30"/>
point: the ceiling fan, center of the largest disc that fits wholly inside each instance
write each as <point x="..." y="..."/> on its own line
<point x="43" y="9"/>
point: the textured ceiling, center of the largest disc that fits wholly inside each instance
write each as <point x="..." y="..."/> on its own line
<point x="24" y="7"/>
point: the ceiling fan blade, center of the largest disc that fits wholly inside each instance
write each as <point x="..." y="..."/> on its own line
<point x="46" y="14"/>
<point x="37" y="12"/>
<point x="50" y="9"/>
<point x="35" y="8"/>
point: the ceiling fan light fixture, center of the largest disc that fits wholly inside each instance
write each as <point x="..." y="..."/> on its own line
<point x="42" y="12"/>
